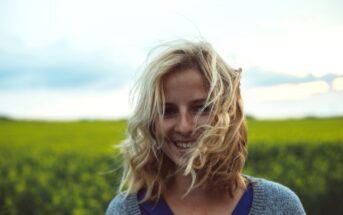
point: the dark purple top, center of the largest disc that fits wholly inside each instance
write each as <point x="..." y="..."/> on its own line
<point x="161" y="208"/>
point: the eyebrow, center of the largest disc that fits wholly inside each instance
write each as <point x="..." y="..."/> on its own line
<point x="197" y="101"/>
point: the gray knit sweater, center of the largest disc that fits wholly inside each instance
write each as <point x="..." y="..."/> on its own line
<point x="268" y="198"/>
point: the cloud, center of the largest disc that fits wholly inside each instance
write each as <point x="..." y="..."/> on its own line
<point x="66" y="104"/>
<point x="320" y="105"/>
<point x="337" y="84"/>
<point x="282" y="101"/>
<point x="287" y="92"/>
<point x="57" y="67"/>
<point x="61" y="51"/>
<point x="256" y="77"/>
<point x="295" y="47"/>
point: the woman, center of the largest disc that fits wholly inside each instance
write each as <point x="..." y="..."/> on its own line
<point x="187" y="142"/>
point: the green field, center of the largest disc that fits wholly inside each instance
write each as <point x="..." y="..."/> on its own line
<point x="72" y="168"/>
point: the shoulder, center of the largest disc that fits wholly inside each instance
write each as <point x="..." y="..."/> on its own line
<point x="117" y="205"/>
<point x="123" y="204"/>
<point x="275" y="198"/>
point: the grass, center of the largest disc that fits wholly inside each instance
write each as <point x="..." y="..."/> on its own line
<point x="72" y="168"/>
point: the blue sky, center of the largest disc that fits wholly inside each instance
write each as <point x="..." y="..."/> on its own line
<point x="77" y="59"/>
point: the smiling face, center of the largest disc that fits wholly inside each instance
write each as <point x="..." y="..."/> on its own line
<point x="185" y="95"/>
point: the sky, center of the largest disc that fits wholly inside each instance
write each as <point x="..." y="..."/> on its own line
<point x="73" y="59"/>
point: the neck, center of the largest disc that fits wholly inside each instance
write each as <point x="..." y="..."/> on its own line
<point x="199" y="200"/>
<point x="180" y="186"/>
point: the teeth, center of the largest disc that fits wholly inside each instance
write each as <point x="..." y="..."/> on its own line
<point x="184" y="145"/>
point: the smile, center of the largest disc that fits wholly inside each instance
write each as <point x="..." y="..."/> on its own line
<point x="183" y="145"/>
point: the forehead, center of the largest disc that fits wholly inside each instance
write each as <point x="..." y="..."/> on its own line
<point x="184" y="84"/>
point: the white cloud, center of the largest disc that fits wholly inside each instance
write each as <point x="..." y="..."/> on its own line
<point x="295" y="37"/>
<point x="66" y="105"/>
<point x="319" y="105"/>
<point x="298" y="49"/>
<point x="337" y="84"/>
<point x="286" y="91"/>
<point x="282" y="101"/>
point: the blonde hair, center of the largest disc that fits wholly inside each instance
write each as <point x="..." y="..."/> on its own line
<point x="218" y="159"/>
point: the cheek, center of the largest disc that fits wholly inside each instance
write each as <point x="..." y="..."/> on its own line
<point x="157" y="129"/>
<point x="161" y="128"/>
<point x="203" y="120"/>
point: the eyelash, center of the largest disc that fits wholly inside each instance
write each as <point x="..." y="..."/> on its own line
<point x="169" y="112"/>
<point x="200" y="108"/>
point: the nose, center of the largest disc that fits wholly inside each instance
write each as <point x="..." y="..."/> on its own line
<point x="184" y="125"/>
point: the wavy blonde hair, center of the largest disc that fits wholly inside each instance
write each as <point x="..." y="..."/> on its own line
<point x="218" y="159"/>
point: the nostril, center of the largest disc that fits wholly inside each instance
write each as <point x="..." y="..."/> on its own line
<point x="185" y="125"/>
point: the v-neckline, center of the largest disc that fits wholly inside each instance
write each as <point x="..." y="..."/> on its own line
<point x="162" y="206"/>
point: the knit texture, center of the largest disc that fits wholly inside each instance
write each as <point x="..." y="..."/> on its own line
<point x="269" y="198"/>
